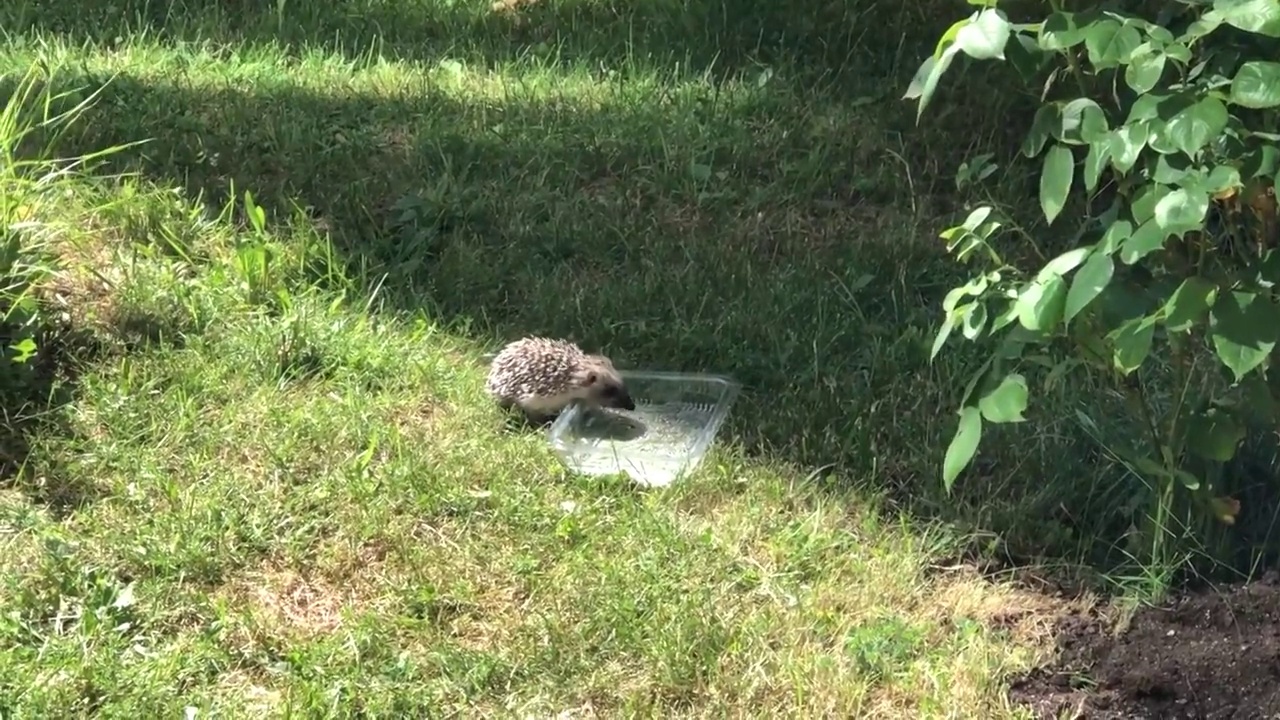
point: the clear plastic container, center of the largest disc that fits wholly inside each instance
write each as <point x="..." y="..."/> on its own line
<point x="675" y="422"/>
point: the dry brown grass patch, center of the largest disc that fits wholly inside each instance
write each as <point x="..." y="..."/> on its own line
<point x="497" y="611"/>
<point x="1028" y="615"/>
<point x="252" y="694"/>
<point x="308" y="603"/>
<point x="416" y="417"/>
<point x="83" y="288"/>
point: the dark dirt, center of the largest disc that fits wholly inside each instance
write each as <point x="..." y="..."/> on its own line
<point x="1209" y="655"/>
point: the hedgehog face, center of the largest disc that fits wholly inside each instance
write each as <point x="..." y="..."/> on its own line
<point x="604" y="386"/>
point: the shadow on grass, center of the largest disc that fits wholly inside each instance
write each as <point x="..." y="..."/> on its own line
<point x="33" y="394"/>
<point x="36" y="392"/>
<point x="689" y="37"/>
<point x="853" y="52"/>
<point x="754" y="236"/>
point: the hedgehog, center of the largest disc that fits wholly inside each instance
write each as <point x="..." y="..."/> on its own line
<point x="542" y="376"/>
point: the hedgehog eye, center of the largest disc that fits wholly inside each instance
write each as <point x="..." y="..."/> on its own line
<point x="610" y="391"/>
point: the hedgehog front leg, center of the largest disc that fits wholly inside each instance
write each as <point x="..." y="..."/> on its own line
<point x="539" y="418"/>
<point x="522" y="415"/>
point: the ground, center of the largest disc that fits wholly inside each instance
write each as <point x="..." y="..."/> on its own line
<point x="1202" y="656"/>
<point x="253" y="471"/>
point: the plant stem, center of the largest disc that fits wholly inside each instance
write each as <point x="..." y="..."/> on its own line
<point x="1164" y="496"/>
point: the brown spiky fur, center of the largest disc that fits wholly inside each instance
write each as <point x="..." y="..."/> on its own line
<point x="542" y="376"/>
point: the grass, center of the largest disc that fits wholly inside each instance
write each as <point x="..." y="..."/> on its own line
<point x="268" y="481"/>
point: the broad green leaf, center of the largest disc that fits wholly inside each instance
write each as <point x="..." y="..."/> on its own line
<point x="1178" y="52"/>
<point x="1055" y="181"/>
<point x="974" y="320"/>
<point x="969" y="243"/>
<point x="1083" y="121"/>
<point x="1268" y="269"/>
<point x="1064" y="263"/>
<point x="1109" y="43"/>
<point x="1256" y="85"/>
<point x="1262" y="407"/>
<point x="1093" y="124"/>
<point x="987" y="229"/>
<point x="930" y="84"/>
<point x="948" y="324"/>
<point x="954" y="296"/>
<point x="1041" y="302"/>
<point x="1006" y="402"/>
<point x="1159" y="35"/>
<point x="1005" y="318"/>
<point x="1255" y="16"/>
<point x="1159" y="140"/>
<point x="1044" y="126"/>
<point x="986" y="36"/>
<point x="1261" y="162"/>
<point x="1132" y="342"/>
<point x="948" y="38"/>
<point x="1088" y="283"/>
<point x="1191" y="129"/>
<point x="978" y="216"/>
<point x="963" y="445"/>
<point x="1240" y="359"/>
<point x="1147" y="107"/>
<point x="960" y="241"/>
<point x="1181" y="210"/>
<point x="1025" y="56"/>
<point x="1060" y="31"/>
<point x="1223" y="177"/>
<point x="915" y="88"/>
<point x="1143" y="206"/>
<point x="1144" y="71"/>
<point x="1189" y="481"/>
<point x="1243" y="326"/>
<point x="1188" y="304"/>
<point x="1148" y="238"/>
<point x="1099" y="38"/>
<point x="1205" y="25"/>
<point x="1096" y="161"/>
<point x="1214" y="435"/>
<point x="1126" y="146"/>
<point x="1115" y="236"/>
<point x="1172" y="169"/>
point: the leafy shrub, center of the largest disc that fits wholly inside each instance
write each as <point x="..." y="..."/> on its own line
<point x="1157" y="145"/>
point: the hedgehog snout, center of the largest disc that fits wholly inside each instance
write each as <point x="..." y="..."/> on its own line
<point x="623" y="400"/>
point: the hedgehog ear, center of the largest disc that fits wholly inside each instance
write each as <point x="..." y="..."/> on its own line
<point x="592" y="377"/>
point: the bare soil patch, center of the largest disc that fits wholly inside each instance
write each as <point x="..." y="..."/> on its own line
<point x="1210" y="654"/>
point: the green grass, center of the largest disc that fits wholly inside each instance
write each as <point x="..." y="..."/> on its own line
<point x="282" y="491"/>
